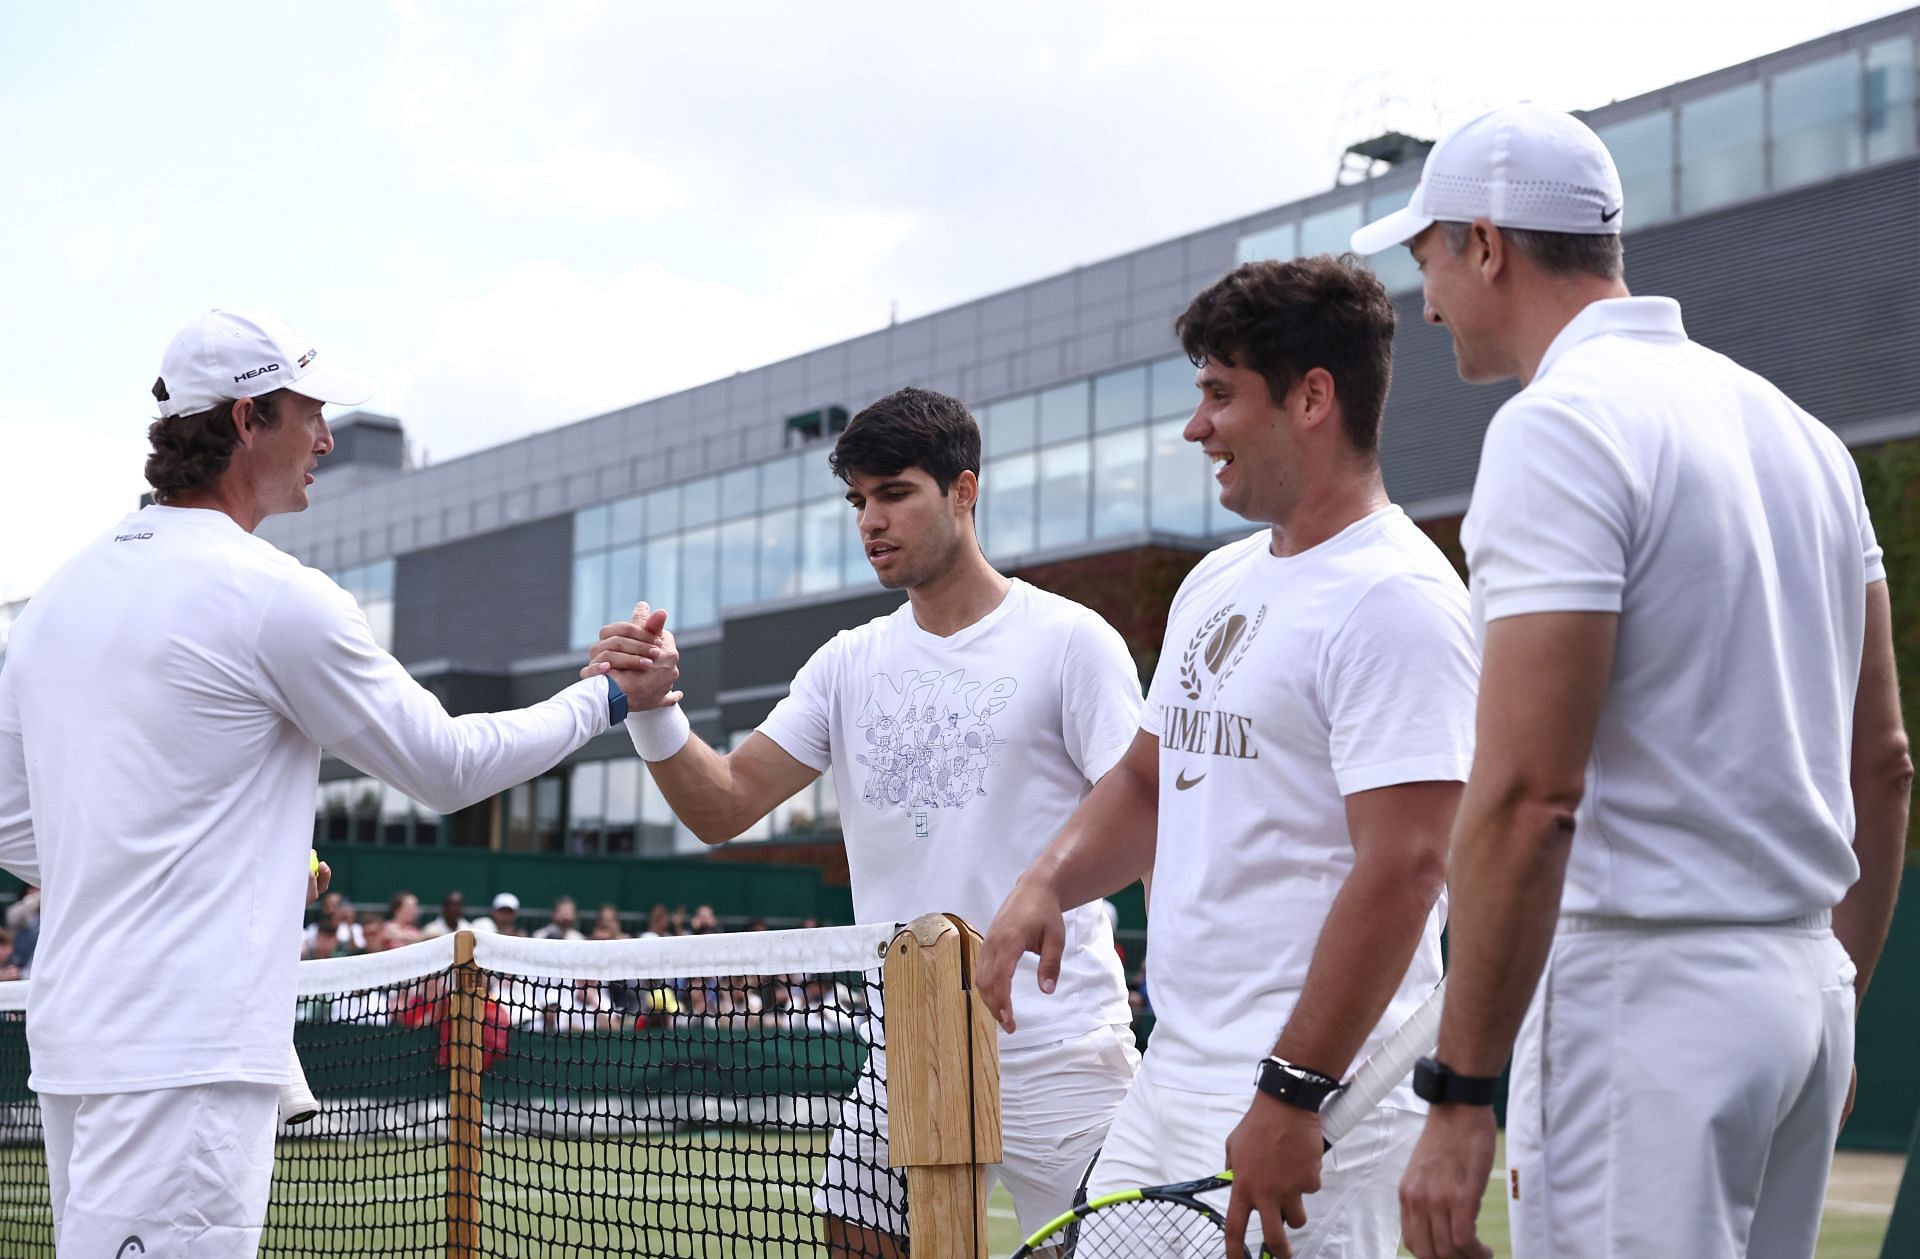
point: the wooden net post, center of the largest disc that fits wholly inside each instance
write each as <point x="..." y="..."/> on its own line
<point x="466" y="1012"/>
<point x="943" y="1086"/>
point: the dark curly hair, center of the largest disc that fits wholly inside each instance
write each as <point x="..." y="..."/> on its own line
<point x="1283" y="319"/>
<point x="910" y="428"/>
<point x="189" y="451"/>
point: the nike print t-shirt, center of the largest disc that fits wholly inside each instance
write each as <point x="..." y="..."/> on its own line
<point x="1285" y="685"/>
<point x="958" y="759"/>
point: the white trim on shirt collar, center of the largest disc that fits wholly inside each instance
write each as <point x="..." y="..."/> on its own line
<point x="1636" y="316"/>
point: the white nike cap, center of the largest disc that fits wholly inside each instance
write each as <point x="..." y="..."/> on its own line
<point x="228" y="354"/>
<point x="1520" y="166"/>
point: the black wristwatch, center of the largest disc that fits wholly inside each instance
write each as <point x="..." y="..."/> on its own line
<point x="1434" y="1081"/>
<point x="1295" y="1085"/>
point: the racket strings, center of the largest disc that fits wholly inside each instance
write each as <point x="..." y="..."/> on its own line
<point x="1145" y="1229"/>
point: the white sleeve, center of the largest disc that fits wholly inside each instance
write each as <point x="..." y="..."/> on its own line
<point x="1099" y="696"/>
<point x="19" y="855"/>
<point x="1874" y="558"/>
<point x="322" y="670"/>
<point x="802" y="723"/>
<point x="1552" y="521"/>
<point x="1399" y="683"/>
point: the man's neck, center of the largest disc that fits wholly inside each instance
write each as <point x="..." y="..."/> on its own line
<point x="1541" y="320"/>
<point x="1335" y="502"/>
<point x="223" y="498"/>
<point x="947" y="604"/>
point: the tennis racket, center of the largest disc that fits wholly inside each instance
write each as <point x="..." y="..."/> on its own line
<point x="1171" y="1222"/>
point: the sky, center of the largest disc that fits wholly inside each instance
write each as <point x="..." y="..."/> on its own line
<point x="514" y="216"/>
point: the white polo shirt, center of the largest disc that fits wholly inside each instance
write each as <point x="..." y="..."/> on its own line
<point x="1645" y="475"/>
<point x="162" y="710"/>
<point x="958" y="759"/>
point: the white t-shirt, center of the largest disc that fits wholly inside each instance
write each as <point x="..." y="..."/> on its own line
<point x="958" y="759"/>
<point x="1645" y="475"/>
<point x="1285" y="685"/>
<point x="162" y="710"/>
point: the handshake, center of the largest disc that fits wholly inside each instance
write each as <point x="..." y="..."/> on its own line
<point x="641" y="657"/>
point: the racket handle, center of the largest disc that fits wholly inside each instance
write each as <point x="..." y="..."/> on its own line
<point x="297" y="1102"/>
<point x="1382" y="1073"/>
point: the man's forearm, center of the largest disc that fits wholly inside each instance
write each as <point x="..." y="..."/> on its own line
<point x="698" y="785"/>
<point x="1864" y="915"/>
<point x="1509" y="867"/>
<point x="1108" y="843"/>
<point x="1365" y="947"/>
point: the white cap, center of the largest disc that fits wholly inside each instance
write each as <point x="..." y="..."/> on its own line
<point x="507" y="900"/>
<point x="228" y="354"/>
<point x="1522" y="166"/>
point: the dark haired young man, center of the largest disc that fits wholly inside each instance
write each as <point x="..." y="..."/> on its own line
<point x="1291" y="788"/>
<point x="176" y="681"/>
<point x="962" y="731"/>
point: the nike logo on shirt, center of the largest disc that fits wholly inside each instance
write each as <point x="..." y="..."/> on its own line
<point x="1181" y="782"/>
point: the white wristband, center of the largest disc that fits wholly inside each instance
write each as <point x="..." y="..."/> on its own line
<point x="658" y="734"/>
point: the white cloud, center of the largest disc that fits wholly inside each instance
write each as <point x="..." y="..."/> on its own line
<point x="605" y="182"/>
<point x="63" y="486"/>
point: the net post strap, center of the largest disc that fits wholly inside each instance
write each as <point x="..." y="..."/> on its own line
<point x="465" y="1116"/>
<point x="943" y="1085"/>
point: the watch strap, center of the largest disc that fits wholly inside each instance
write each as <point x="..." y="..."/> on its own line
<point x="1438" y="1084"/>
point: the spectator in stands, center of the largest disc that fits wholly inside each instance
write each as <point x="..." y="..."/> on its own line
<point x="703" y="922"/>
<point x="377" y="932"/>
<point x="564" y="924"/>
<point x="757" y="923"/>
<point x="809" y="923"/>
<point x="403" y="919"/>
<point x="453" y="909"/>
<point x="677" y="921"/>
<point x="337" y="915"/>
<point x="8" y="969"/>
<point x="321" y="944"/>
<point x="505" y="919"/>
<point x="606" y="924"/>
<point x="23" y="919"/>
<point x="658" y="923"/>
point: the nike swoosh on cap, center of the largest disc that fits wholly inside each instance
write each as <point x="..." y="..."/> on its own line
<point x="1607" y="216"/>
<point x="1181" y="782"/>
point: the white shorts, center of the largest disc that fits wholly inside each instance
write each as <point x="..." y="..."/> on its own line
<point x="1677" y="1091"/>
<point x="165" y="1174"/>
<point x="1164" y="1135"/>
<point x="1056" y="1101"/>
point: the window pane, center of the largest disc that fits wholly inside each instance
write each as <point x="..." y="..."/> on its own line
<point x="587" y="807"/>
<point x="380" y="580"/>
<point x="589" y="598"/>
<point x="663" y="512"/>
<point x="1120" y="470"/>
<point x="855" y="572"/>
<point x="1816" y="121"/>
<point x="739" y="493"/>
<point x="625" y="520"/>
<point x="1119" y="399"/>
<point x="396" y="816"/>
<point x="656" y="819"/>
<point x="1722" y="156"/>
<point x="547" y="819"/>
<point x="1180" y="484"/>
<point x="336" y="816"/>
<point x="699" y="585"/>
<point x="1173" y="391"/>
<point x="379" y="613"/>
<point x="663" y="574"/>
<point x="366" y="810"/>
<point x="1271" y="242"/>
<point x="823" y="523"/>
<point x="779" y="554"/>
<point x="1890" y="99"/>
<point x="1011" y="425"/>
<point x="1642" y="149"/>
<point x="780" y="482"/>
<point x="626" y="584"/>
<point x="1063" y="494"/>
<point x="1006" y="505"/>
<point x="590" y="528"/>
<point x="1063" y="412"/>
<point x="1330" y="231"/>
<point x="623" y="802"/>
<point x="739" y="548"/>
<point x="700" y="502"/>
<point x="1394" y="266"/>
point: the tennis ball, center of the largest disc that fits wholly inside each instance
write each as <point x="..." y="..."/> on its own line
<point x="313" y="862"/>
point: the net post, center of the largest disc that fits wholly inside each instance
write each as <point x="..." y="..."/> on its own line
<point x="466" y="1009"/>
<point x="943" y="1085"/>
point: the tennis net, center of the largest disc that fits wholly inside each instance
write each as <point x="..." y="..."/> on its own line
<point x="697" y="1097"/>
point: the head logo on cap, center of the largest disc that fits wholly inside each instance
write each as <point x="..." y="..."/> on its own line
<point x="228" y="354"/>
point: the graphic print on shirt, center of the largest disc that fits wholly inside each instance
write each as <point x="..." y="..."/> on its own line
<point x="929" y="738"/>
<point x="1211" y="656"/>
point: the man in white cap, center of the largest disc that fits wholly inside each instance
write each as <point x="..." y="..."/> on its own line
<point x="162" y="711"/>
<point x="1677" y="854"/>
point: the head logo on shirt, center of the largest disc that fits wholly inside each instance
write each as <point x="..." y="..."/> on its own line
<point x="1217" y="646"/>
